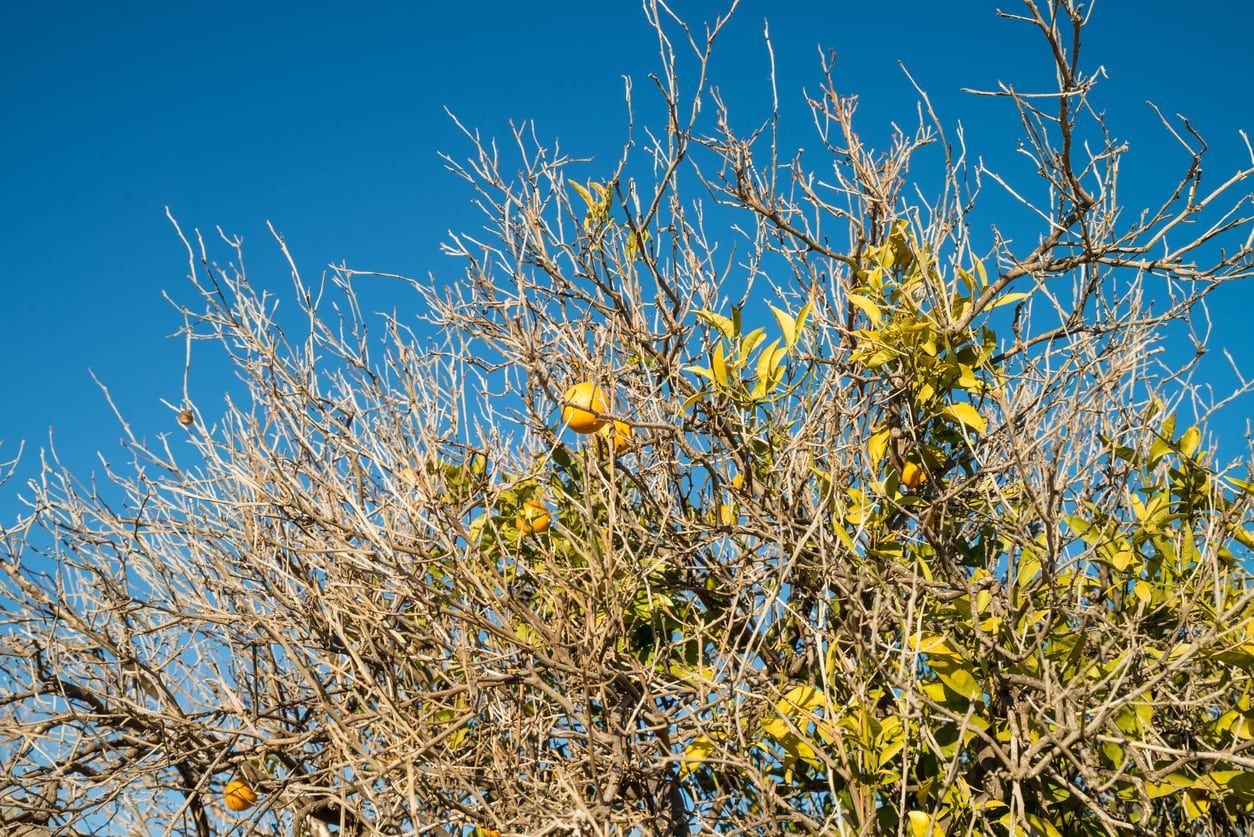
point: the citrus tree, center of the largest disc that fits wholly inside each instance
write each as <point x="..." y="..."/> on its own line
<point x="731" y="495"/>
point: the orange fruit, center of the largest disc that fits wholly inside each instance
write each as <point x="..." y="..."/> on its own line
<point x="912" y="476"/>
<point x="581" y="406"/>
<point x="187" y="418"/>
<point x="620" y="432"/>
<point x="239" y="795"/>
<point x="533" y="518"/>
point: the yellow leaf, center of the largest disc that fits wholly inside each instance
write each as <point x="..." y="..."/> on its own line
<point x="695" y="753"/>
<point x="924" y="825"/>
<point x="967" y="415"/>
<point x="1119" y="555"/>
<point x="635" y="244"/>
<point x="718" y="364"/>
<point x="700" y="370"/>
<point x="1035" y="826"/>
<point x="925" y="643"/>
<point x="805" y="698"/>
<point x="1190" y="440"/>
<point x="1174" y="783"/>
<point x="877" y="446"/>
<point x="748" y="343"/>
<point x="842" y="535"/>
<point x="1196" y="803"/>
<point x="787" y="325"/>
<point x="983" y="274"/>
<point x="766" y="361"/>
<point x="776" y="728"/>
<point x="1006" y="300"/>
<point x="723" y="324"/>
<point x="583" y="193"/>
<point x="967" y="279"/>
<point x="691" y="400"/>
<point x="867" y="307"/>
<point x="1247" y="487"/>
<point x="957" y="678"/>
<point x="801" y="316"/>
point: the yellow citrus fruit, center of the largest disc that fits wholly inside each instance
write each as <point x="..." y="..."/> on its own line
<point x="533" y="518"/>
<point x="620" y="432"/>
<point x="912" y="476"/>
<point x="239" y="795"/>
<point x="581" y="405"/>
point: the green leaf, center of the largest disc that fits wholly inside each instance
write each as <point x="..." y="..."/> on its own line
<point x="1242" y="785"/>
<point x="787" y="324"/>
<point x="967" y="415"/>
<point x="867" y="307"/>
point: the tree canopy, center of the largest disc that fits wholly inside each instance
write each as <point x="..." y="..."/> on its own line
<point x="738" y="492"/>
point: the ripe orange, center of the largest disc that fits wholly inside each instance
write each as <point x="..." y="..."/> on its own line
<point x="581" y="405"/>
<point x="912" y="476"/>
<point x="620" y="432"/>
<point x="239" y="795"/>
<point x="533" y="518"/>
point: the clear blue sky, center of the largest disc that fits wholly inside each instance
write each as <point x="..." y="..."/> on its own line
<point x="326" y="118"/>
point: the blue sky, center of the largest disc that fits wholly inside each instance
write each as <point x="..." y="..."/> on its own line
<point x="326" y="119"/>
